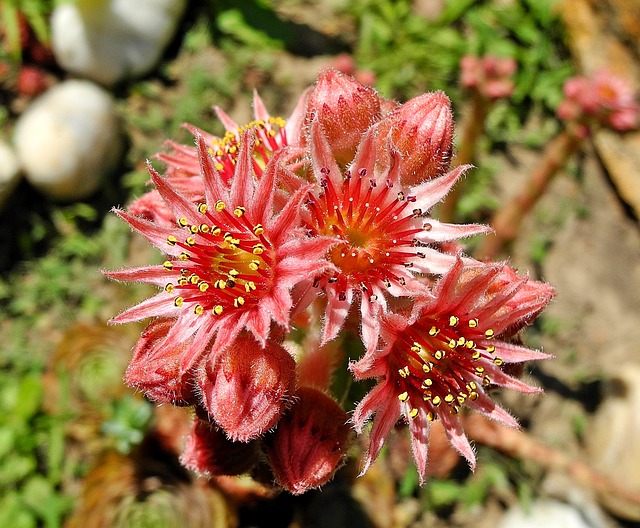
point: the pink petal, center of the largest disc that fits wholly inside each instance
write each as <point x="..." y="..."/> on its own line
<point x="228" y="123"/>
<point x="157" y="275"/>
<point x="242" y="183"/>
<point x="511" y="353"/>
<point x="322" y="156"/>
<point x="458" y="439"/>
<point x="441" y="232"/>
<point x="178" y="204"/>
<point x="214" y="188"/>
<point x="259" y="110"/>
<point x="432" y="191"/>
<point x="337" y="312"/>
<point x="160" y="305"/>
<point x="420" y="428"/>
<point x="154" y="233"/>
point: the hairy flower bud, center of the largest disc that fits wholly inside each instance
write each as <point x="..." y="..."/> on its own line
<point x="310" y="442"/>
<point x="345" y="109"/>
<point x="208" y="451"/>
<point x="155" y="366"/>
<point x="421" y="130"/>
<point x="248" y="387"/>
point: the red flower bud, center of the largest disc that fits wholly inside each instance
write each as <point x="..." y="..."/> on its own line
<point x="421" y="130"/>
<point x="155" y="366"/>
<point x="345" y="109"/>
<point x="248" y="387"/>
<point x="209" y="452"/>
<point x="310" y="442"/>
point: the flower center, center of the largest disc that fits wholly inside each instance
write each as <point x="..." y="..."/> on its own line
<point x="440" y="361"/>
<point x="270" y="136"/>
<point x="372" y="222"/>
<point x="226" y="263"/>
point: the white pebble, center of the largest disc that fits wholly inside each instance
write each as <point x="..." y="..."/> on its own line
<point x="9" y="172"/>
<point x="544" y="514"/>
<point x="68" y="140"/>
<point x="111" y="40"/>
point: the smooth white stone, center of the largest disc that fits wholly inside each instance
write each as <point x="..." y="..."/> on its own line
<point x="111" y="40"/>
<point x="545" y="514"/>
<point x="68" y="140"/>
<point x="10" y="173"/>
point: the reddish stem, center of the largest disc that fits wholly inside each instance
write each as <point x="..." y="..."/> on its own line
<point x="506" y="221"/>
<point x="472" y="128"/>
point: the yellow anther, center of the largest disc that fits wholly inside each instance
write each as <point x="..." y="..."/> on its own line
<point x="473" y="395"/>
<point x="404" y="371"/>
<point x="239" y="301"/>
<point x="205" y="228"/>
<point x="234" y="272"/>
<point x="171" y="240"/>
<point x="215" y="230"/>
<point x="436" y="400"/>
<point x="462" y="398"/>
<point x="202" y="208"/>
<point x="183" y="222"/>
<point x="486" y="381"/>
<point x="168" y="265"/>
<point x="439" y="354"/>
<point x="461" y="341"/>
<point x="452" y="343"/>
<point x="220" y="284"/>
<point x="183" y="257"/>
<point x="258" y="229"/>
<point x="258" y="249"/>
<point x="498" y="361"/>
<point x="217" y="310"/>
<point x="198" y="309"/>
<point x="220" y="205"/>
<point x="476" y="355"/>
<point x="194" y="279"/>
<point x="190" y="241"/>
<point x="455" y="409"/>
<point x="427" y="226"/>
<point x="239" y="211"/>
<point x="488" y="333"/>
<point x="177" y="302"/>
<point x="426" y="383"/>
<point x="413" y="413"/>
<point x="403" y="397"/>
<point x="169" y="288"/>
<point x="470" y="344"/>
<point x="479" y="370"/>
<point x="416" y="348"/>
<point x="473" y="323"/>
<point x="203" y="286"/>
<point x="453" y="320"/>
<point x="449" y="398"/>
<point x="431" y="417"/>
<point x="250" y="286"/>
<point x="254" y="265"/>
<point x="491" y="349"/>
<point x="426" y="396"/>
<point x="433" y="331"/>
<point x="426" y="367"/>
<point x="182" y="281"/>
<point x="473" y="385"/>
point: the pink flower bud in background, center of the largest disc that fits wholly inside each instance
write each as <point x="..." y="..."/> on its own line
<point x="209" y="452"/>
<point x="248" y="387"/>
<point x="490" y="76"/>
<point x="155" y="366"/>
<point x="421" y="130"/>
<point x="345" y="109"/>
<point x="310" y="442"/>
<point x="604" y="99"/>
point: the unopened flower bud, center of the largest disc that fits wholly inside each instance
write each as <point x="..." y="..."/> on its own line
<point x="248" y="387"/>
<point x="421" y="130"/>
<point x="209" y="452"/>
<point x="345" y="109"/>
<point x="310" y="442"/>
<point x="155" y="366"/>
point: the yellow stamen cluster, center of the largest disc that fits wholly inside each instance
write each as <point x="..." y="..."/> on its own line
<point x="441" y="363"/>
<point x="221" y="265"/>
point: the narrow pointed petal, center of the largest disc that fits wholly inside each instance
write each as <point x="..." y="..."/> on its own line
<point x="432" y="191"/>
<point x="161" y="305"/>
<point x="228" y="123"/>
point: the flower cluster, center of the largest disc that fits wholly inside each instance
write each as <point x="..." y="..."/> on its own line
<point x="603" y="99"/>
<point x="284" y="236"/>
<point x="490" y="76"/>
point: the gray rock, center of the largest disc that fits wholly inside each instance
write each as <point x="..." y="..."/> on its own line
<point x="10" y="173"/>
<point x="68" y="140"/>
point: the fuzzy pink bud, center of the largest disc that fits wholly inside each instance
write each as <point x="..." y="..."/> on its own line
<point x="155" y="366"/>
<point x="248" y="387"/>
<point x="310" y="442"/>
<point x="209" y="452"/>
<point x="421" y="131"/>
<point x="345" y="109"/>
